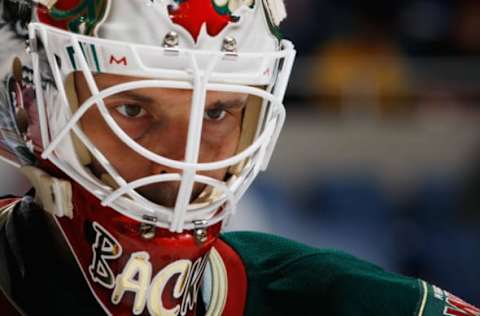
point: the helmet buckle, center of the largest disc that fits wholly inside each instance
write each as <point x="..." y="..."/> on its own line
<point x="147" y="229"/>
<point x="200" y="231"/>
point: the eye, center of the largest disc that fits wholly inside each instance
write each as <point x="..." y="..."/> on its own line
<point x="214" y="114"/>
<point x="131" y="110"/>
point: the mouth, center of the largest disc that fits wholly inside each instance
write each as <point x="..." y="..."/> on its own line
<point x="166" y="193"/>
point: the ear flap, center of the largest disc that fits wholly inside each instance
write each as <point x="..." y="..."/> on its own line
<point x="82" y="152"/>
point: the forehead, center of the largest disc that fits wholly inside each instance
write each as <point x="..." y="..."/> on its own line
<point x="104" y="81"/>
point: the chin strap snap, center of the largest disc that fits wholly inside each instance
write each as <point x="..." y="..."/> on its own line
<point x="54" y="195"/>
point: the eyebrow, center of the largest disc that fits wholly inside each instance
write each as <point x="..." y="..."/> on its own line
<point x="137" y="97"/>
<point x="227" y="104"/>
<point x="224" y="104"/>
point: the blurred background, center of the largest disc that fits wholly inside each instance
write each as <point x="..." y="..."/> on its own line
<point x="380" y="155"/>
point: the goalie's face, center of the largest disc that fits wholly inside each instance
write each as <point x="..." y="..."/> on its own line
<point x="168" y="128"/>
<point x="158" y="119"/>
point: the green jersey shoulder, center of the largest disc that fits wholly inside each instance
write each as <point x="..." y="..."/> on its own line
<point x="288" y="278"/>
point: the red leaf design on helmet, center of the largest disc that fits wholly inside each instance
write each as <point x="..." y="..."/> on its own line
<point x="192" y="14"/>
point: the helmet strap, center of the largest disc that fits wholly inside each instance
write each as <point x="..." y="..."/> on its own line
<point x="54" y="195"/>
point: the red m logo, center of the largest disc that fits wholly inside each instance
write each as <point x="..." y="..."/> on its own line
<point x="119" y="61"/>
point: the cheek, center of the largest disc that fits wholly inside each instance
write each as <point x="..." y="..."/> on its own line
<point x="129" y="164"/>
<point x="216" y="151"/>
<point x="219" y="148"/>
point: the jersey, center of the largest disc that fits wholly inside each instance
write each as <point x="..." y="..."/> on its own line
<point x="261" y="274"/>
<point x="289" y="278"/>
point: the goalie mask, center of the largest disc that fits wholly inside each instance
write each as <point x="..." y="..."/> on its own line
<point x="141" y="123"/>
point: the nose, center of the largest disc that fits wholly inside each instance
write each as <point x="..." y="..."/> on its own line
<point x="169" y="140"/>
